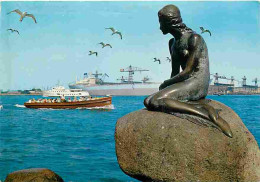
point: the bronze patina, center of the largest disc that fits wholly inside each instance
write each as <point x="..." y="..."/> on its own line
<point x="185" y="91"/>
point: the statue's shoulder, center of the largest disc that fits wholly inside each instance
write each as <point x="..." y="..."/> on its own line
<point x="195" y="40"/>
<point x="194" y="36"/>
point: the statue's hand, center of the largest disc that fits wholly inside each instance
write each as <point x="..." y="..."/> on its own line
<point x="163" y="85"/>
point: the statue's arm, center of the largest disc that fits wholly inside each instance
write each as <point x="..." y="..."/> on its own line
<point x="175" y="63"/>
<point x="191" y="64"/>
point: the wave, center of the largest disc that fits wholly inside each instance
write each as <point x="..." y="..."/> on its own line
<point x="103" y="107"/>
<point x="42" y="109"/>
<point x="18" y="105"/>
<point x="109" y="107"/>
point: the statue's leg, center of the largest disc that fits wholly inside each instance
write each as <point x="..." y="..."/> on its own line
<point x="147" y="102"/>
<point x="220" y="122"/>
<point x="204" y="111"/>
<point x="171" y="105"/>
<point x="167" y="100"/>
<point x="175" y="91"/>
<point x="214" y="116"/>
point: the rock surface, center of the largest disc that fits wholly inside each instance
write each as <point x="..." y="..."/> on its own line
<point x="33" y="175"/>
<point x="155" y="146"/>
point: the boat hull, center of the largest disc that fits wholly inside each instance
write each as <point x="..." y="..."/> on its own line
<point x="97" y="102"/>
<point x="120" y="89"/>
<point x="124" y="92"/>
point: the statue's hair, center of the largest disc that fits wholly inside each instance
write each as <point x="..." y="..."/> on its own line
<point x="172" y="16"/>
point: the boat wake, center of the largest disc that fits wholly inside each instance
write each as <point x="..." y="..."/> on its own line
<point x="109" y="107"/>
<point x="18" y="105"/>
<point x="103" y="107"/>
<point x="50" y="109"/>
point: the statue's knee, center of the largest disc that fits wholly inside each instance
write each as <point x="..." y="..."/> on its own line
<point x="146" y="102"/>
<point x="150" y="103"/>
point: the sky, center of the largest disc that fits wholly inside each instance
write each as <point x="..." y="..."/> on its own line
<point x="55" y="50"/>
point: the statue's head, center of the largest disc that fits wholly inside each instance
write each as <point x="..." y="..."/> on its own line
<point x="169" y="17"/>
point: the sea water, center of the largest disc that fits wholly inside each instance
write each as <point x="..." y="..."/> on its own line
<point x="78" y="144"/>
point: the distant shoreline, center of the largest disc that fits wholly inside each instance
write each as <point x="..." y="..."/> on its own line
<point x="18" y="94"/>
<point x="122" y="95"/>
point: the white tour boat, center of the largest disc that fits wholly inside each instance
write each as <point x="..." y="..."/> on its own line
<point x="60" y="91"/>
<point x="85" y="101"/>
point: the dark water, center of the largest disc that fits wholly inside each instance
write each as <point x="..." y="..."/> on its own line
<point x="79" y="144"/>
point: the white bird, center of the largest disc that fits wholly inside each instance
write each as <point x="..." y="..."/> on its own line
<point x="155" y="59"/>
<point x="168" y="59"/>
<point x="92" y="52"/>
<point x="1" y="107"/>
<point x="115" y="32"/>
<point x="23" y="14"/>
<point x="205" y="30"/>
<point x="104" y="45"/>
<point x="13" y="30"/>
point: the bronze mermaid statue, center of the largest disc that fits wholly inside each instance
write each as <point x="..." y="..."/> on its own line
<point x="185" y="91"/>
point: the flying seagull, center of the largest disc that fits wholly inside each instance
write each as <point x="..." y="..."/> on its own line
<point x="92" y="52"/>
<point x="155" y="59"/>
<point x="13" y="30"/>
<point x="104" y="45"/>
<point x="115" y="32"/>
<point x="168" y="59"/>
<point x="205" y="30"/>
<point x="24" y="14"/>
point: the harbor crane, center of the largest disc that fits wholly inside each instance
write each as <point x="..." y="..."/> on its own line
<point x="122" y="79"/>
<point x="104" y="75"/>
<point x="131" y="70"/>
<point x="97" y="74"/>
<point x="245" y="85"/>
<point x="217" y="76"/>
<point x="244" y="81"/>
<point x="145" y="79"/>
<point x="255" y="80"/>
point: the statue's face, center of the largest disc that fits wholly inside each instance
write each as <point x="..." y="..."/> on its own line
<point x="164" y="27"/>
<point x="169" y="16"/>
